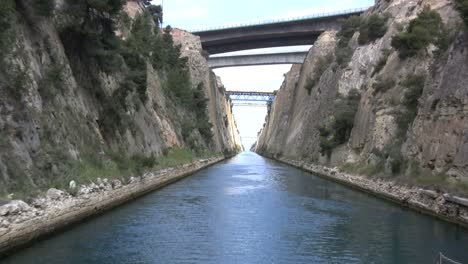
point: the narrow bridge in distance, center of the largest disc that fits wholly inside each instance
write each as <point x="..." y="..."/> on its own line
<point x="273" y="33"/>
<point x="251" y="96"/>
<point x="257" y="59"/>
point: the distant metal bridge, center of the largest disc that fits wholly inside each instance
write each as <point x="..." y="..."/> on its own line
<point x="251" y="96"/>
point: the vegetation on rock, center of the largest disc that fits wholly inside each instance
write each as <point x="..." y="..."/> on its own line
<point x="44" y="7"/>
<point x="382" y="62"/>
<point x="321" y="66"/>
<point x="111" y="74"/>
<point x="339" y="129"/>
<point x="343" y="51"/>
<point x="372" y="28"/>
<point x="427" y="28"/>
<point x="462" y="7"/>
<point x="7" y="32"/>
<point x="382" y="85"/>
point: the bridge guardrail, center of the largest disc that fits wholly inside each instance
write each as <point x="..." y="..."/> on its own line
<point x="275" y="21"/>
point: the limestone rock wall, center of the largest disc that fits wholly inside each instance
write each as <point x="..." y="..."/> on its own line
<point x="436" y="140"/>
<point x="220" y="111"/>
<point x="44" y="128"/>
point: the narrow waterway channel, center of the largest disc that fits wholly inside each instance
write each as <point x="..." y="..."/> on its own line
<point x="253" y="210"/>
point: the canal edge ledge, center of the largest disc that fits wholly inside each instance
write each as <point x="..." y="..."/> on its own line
<point x="407" y="203"/>
<point x="45" y="226"/>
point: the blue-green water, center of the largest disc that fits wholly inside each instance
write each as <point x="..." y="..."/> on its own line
<point x="253" y="210"/>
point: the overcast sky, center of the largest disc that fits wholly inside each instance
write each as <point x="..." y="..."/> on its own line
<point x="197" y="14"/>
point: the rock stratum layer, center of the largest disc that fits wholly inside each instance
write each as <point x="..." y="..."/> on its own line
<point x="370" y="107"/>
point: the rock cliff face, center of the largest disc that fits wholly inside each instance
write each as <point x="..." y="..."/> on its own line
<point x="78" y="88"/>
<point x="225" y="130"/>
<point x="359" y="113"/>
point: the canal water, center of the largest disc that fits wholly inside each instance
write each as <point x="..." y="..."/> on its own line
<point x="253" y="210"/>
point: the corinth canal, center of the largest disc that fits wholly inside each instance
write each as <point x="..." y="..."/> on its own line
<point x="253" y="210"/>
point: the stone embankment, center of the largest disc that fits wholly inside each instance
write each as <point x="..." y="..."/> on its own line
<point x="21" y="223"/>
<point x="442" y="205"/>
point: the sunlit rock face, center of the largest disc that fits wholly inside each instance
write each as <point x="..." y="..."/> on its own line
<point x="53" y="123"/>
<point x="436" y="140"/>
<point x="220" y="111"/>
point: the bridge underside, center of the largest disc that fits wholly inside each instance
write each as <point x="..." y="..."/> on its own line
<point x="257" y="59"/>
<point x="283" y="40"/>
<point x="277" y="34"/>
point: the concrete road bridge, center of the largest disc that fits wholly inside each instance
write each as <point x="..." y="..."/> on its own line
<point x="257" y="59"/>
<point x="274" y="33"/>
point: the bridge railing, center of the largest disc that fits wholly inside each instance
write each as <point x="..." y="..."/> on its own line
<point x="275" y="21"/>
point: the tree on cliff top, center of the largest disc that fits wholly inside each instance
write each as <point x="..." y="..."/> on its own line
<point x="157" y="12"/>
<point x="106" y="6"/>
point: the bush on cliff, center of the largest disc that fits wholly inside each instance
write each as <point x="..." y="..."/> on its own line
<point x="106" y="6"/>
<point x="372" y="28"/>
<point x="339" y="130"/>
<point x="44" y="7"/>
<point x="157" y="13"/>
<point x="381" y="62"/>
<point x="320" y="67"/>
<point x="427" y="28"/>
<point x="13" y="78"/>
<point x="382" y="85"/>
<point x="462" y="7"/>
<point x="343" y="51"/>
<point x="7" y="26"/>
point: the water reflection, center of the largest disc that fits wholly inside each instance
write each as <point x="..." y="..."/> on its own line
<point x="253" y="210"/>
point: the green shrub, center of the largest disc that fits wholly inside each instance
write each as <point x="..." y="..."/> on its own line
<point x="382" y="61"/>
<point x="372" y="28"/>
<point x="52" y="81"/>
<point x="339" y="130"/>
<point x="15" y="82"/>
<point x="343" y="52"/>
<point x="383" y="85"/>
<point x="327" y="145"/>
<point x="156" y="12"/>
<point x="427" y="28"/>
<point x="320" y="67"/>
<point x="200" y="108"/>
<point x="106" y="6"/>
<point x="310" y="83"/>
<point x="462" y="7"/>
<point x="364" y="168"/>
<point x="178" y="83"/>
<point x="7" y="26"/>
<point x="343" y="55"/>
<point x="349" y="26"/>
<point x="44" y="7"/>
<point x="141" y="36"/>
<point x="414" y="84"/>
